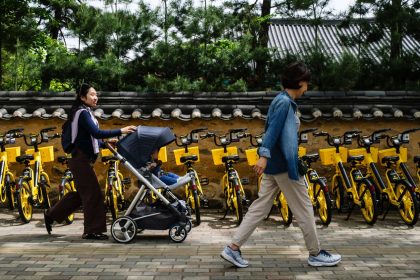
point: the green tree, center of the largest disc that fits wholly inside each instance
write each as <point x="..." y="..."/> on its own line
<point x="399" y="18"/>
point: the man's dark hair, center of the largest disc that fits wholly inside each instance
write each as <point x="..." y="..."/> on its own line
<point x="294" y="74"/>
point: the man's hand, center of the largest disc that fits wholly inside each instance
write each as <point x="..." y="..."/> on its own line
<point x="260" y="165"/>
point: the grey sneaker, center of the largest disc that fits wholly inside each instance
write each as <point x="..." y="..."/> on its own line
<point x="234" y="257"/>
<point x="324" y="259"/>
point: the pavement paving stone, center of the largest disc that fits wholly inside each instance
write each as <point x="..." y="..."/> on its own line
<point x="387" y="250"/>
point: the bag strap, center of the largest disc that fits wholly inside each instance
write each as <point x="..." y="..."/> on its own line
<point x="75" y="125"/>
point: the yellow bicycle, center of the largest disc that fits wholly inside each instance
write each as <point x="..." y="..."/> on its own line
<point x="235" y="198"/>
<point x="279" y="203"/>
<point x="417" y="162"/>
<point x="115" y="185"/>
<point x="8" y="155"/>
<point x="66" y="185"/>
<point x="317" y="186"/>
<point x="353" y="190"/>
<point x="33" y="185"/>
<point x="400" y="188"/>
<point x="188" y="156"/>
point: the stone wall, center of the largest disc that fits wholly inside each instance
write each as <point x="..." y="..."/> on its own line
<point x="206" y="167"/>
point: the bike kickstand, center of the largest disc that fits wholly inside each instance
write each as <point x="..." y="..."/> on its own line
<point x="386" y="212"/>
<point x="350" y="211"/>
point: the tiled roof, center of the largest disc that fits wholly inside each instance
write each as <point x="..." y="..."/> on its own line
<point x="314" y="105"/>
<point x="298" y="36"/>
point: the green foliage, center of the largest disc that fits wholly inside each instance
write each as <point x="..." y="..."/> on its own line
<point x="192" y="48"/>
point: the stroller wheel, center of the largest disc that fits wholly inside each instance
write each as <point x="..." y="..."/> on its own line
<point x="123" y="229"/>
<point x="177" y="233"/>
<point x="188" y="226"/>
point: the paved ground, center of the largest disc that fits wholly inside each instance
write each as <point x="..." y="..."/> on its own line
<point x="388" y="250"/>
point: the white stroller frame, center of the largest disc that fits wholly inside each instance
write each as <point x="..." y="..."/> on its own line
<point x="124" y="228"/>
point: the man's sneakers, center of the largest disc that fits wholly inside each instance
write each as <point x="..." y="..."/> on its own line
<point x="324" y="259"/>
<point x="234" y="257"/>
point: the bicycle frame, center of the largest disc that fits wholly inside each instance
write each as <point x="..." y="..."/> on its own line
<point x="33" y="176"/>
<point x="114" y="190"/>
<point x="32" y="185"/>
<point x="231" y="182"/>
<point x="356" y="186"/>
<point x="400" y="167"/>
<point x="7" y="179"/>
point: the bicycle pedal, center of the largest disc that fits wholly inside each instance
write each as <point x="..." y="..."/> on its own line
<point x="204" y="181"/>
<point x="204" y="202"/>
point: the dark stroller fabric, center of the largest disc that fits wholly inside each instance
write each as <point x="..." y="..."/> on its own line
<point x="137" y="147"/>
<point x="157" y="215"/>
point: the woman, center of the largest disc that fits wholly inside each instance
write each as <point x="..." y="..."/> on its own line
<point x="83" y="155"/>
<point x="279" y="163"/>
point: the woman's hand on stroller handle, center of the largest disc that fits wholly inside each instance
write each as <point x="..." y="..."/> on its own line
<point x="128" y="129"/>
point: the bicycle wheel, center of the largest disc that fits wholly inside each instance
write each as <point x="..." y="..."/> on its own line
<point x="196" y="207"/>
<point x="3" y="196"/>
<point x="338" y="192"/>
<point x="285" y="212"/>
<point x="368" y="205"/>
<point x="23" y="202"/>
<point x="45" y="198"/>
<point x="237" y="204"/>
<point x="113" y="200"/>
<point x="409" y="206"/>
<point x="10" y="192"/>
<point x="323" y="204"/>
<point x="67" y="188"/>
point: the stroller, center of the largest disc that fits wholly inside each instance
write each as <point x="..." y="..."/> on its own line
<point x="134" y="152"/>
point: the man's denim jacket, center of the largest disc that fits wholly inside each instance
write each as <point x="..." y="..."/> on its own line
<point x="280" y="143"/>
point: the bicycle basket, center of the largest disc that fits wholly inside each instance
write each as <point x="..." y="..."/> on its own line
<point x="392" y="152"/>
<point x="218" y="154"/>
<point x="301" y="151"/>
<point x="328" y="155"/>
<point x="178" y="153"/>
<point x="47" y="153"/>
<point x="106" y="153"/>
<point x="12" y="153"/>
<point x="163" y="154"/>
<point x="252" y="156"/>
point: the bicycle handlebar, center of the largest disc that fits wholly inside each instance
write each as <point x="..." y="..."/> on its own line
<point x="43" y="135"/>
<point x="397" y="140"/>
<point x="234" y="136"/>
<point x="188" y="139"/>
<point x="258" y="139"/>
<point x="336" y="141"/>
<point x="303" y="137"/>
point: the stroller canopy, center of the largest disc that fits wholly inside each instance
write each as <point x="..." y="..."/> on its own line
<point x="138" y="146"/>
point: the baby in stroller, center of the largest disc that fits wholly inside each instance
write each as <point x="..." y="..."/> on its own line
<point x="168" y="178"/>
<point x="134" y="152"/>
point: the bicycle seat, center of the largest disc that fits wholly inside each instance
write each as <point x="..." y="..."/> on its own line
<point x="62" y="159"/>
<point x="392" y="159"/>
<point x="189" y="158"/>
<point x="24" y="158"/>
<point x="310" y="158"/>
<point x="357" y="158"/>
<point x="416" y="159"/>
<point x="109" y="158"/>
<point x="234" y="158"/>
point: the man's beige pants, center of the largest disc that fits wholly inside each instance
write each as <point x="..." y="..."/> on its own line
<point x="297" y="197"/>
